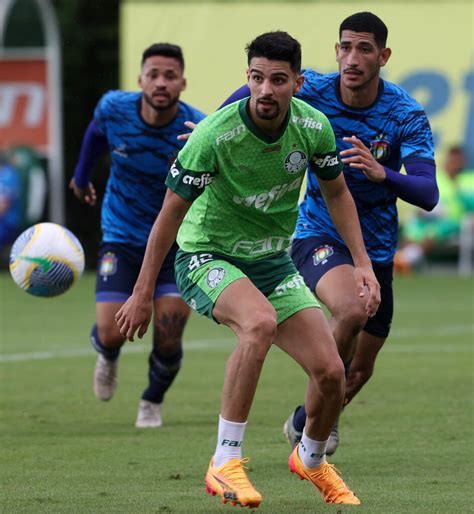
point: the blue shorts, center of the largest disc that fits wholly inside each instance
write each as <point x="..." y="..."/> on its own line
<point x="118" y="269"/>
<point x="314" y="256"/>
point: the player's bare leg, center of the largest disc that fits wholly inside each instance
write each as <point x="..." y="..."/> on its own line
<point x="107" y="340"/>
<point x="254" y="322"/>
<point x="317" y="354"/>
<point x="338" y="291"/>
<point x="171" y="314"/>
<point x="362" y="363"/>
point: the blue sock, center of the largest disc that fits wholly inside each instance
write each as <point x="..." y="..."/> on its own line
<point x="161" y="373"/>
<point x="110" y="354"/>
<point x="299" y="418"/>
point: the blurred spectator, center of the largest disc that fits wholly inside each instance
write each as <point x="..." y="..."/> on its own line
<point x="10" y="202"/>
<point x="426" y="232"/>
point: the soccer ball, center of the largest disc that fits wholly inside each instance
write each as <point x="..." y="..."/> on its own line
<point x="46" y="260"/>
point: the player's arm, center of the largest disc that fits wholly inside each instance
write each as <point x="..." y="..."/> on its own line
<point x="136" y="313"/>
<point x="94" y="144"/>
<point x="343" y="212"/>
<point x="418" y="186"/>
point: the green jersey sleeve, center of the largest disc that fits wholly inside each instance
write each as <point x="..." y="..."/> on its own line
<point x="195" y="165"/>
<point x="325" y="162"/>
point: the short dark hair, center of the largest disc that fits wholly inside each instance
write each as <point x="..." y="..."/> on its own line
<point x="366" y="22"/>
<point x="165" y="49"/>
<point x="276" y="46"/>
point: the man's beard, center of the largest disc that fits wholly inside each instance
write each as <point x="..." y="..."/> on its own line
<point x="160" y="108"/>
<point x="270" y="115"/>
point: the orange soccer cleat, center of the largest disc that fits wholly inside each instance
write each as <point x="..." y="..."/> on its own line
<point x="231" y="483"/>
<point x="326" y="479"/>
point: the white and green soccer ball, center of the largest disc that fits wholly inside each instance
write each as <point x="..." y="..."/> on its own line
<point x="46" y="260"/>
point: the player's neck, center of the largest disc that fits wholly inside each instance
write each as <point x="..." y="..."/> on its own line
<point x="270" y="128"/>
<point x="158" y="118"/>
<point x="360" y="97"/>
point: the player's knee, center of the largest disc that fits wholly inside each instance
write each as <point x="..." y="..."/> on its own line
<point x="110" y="335"/>
<point x="331" y="379"/>
<point x="362" y="374"/>
<point x="260" y="330"/>
<point x="352" y="317"/>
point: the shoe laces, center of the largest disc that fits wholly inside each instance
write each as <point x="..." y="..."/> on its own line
<point x="331" y="476"/>
<point x="234" y="470"/>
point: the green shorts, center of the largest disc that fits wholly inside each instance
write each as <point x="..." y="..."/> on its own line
<point x="201" y="278"/>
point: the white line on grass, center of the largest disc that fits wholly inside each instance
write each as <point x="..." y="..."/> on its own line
<point x="218" y="344"/>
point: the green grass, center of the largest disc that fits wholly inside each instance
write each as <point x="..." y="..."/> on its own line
<point x="407" y="439"/>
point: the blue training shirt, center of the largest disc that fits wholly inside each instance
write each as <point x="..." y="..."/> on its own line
<point x="141" y="155"/>
<point x="396" y="129"/>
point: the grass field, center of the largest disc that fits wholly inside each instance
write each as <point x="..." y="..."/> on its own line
<point x="407" y="439"/>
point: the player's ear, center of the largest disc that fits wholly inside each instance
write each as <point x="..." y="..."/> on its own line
<point x="184" y="84"/>
<point x="385" y="56"/>
<point x="299" y="84"/>
<point x="139" y="80"/>
<point x="248" y="74"/>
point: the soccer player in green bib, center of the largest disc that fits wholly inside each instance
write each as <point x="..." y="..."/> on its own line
<point x="232" y="202"/>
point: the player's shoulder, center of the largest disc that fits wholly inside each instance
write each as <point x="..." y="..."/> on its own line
<point x="222" y="118"/>
<point x="190" y="112"/>
<point x="316" y="82"/>
<point x="117" y="99"/>
<point x="306" y="116"/>
<point x="396" y="95"/>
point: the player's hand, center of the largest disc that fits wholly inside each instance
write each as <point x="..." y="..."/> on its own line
<point x="135" y="314"/>
<point x="360" y="157"/>
<point x="367" y="285"/>
<point x="190" y="125"/>
<point x="85" y="194"/>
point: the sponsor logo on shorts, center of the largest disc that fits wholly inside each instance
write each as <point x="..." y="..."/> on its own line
<point x="321" y="254"/>
<point x="295" y="162"/>
<point x="215" y="276"/>
<point x="296" y="282"/>
<point x="380" y="148"/>
<point x="108" y="265"/>
<point x="193" y="304"/>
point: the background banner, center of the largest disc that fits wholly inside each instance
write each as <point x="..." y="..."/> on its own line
<point x="432" y="47"/>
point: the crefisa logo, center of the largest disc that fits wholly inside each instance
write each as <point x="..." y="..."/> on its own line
<point x="380" y="148"/>
<point x="295" y="162"/>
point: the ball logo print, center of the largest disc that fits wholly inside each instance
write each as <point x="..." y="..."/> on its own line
<point x="215" y="276"/>
<point x="295" y="162"/>
<point x="46" y="260"/>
